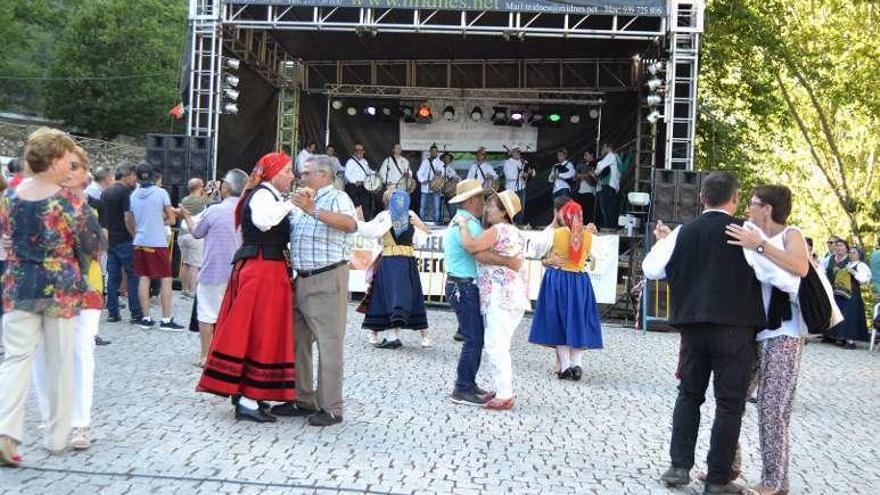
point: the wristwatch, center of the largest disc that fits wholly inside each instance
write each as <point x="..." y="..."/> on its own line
<point x="760" y="248"/>
<point x="317" y="211"/>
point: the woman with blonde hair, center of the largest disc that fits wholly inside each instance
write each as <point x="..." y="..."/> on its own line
<point x="48" y="228"/>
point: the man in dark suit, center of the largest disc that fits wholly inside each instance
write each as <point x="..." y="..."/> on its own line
<point x="717" y="305"/>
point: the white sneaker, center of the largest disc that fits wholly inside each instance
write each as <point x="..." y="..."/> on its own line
<point x="81" y="438"/>
<point x="426" y="342"/>
<point x="373" y="337"/>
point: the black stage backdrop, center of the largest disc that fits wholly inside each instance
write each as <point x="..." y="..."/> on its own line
<point x="248" y="135"/>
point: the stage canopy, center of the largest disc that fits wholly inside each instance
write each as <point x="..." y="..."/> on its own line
<point x="599" y="7"/>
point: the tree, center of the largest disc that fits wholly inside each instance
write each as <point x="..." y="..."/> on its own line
<point x="788" y="88"/>
<point x="117" y="63"/>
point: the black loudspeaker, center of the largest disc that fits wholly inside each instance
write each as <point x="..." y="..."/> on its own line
<point x="688" y="205"/>
<point x="199" y="156"/>
<point x="663" y="195"/>
<point x="179" y="158"/>
<point x="675" y="197"/>
<point x="174" y="171"/>
<point x="156" y="146"/>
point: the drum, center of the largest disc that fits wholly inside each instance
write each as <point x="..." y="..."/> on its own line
<point x="373" y="183"/>
<point x="489" y="184"/>
<point x="449" y="187"/>
<point x="408" y="183"/>
<point x="438" y="183"/>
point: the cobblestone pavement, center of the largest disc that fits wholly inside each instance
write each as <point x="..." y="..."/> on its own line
<point x="606" y="434"/>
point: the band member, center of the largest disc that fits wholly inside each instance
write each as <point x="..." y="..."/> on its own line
<point x="516" y="175"/>
<point x="562" y="172"/>
<point x="586" y="181"/>
<point x="452" y="179"/>
<point x="483" y="170"/>
<point x="431" y="168"/>
<point x="608" y="171"/>
<point x="338" y="169"/>
<point x="395" y="168"/>
<point x="357" y="169"/>
<point x="308" y="150"/>
<point x="251" y="356"/>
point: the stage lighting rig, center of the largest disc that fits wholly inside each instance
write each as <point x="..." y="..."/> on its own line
<point x="476" y="114"/>
<point x="499" y="115"/>
<point x="370" y="110"/>
<point x="517" y="117"/>
<point x="536" y="118"/>
<point x="594" y="113"/>
<point x="337" y="105"/>
<point x="655" y="67"/>
<point x="231" y="63"/>
<point x="386" y="111"/>
<point x="351" y="111"/>
<point x="231" y="94"/>
<point x="229" y="108"/>
<point x="231" y="80"/>
<point x="449" y="113"/>
<point x="653" y="117"/>
<point x="423" y="114"/>
<point x="655" y="84"/>
<point x="575" y="118"/>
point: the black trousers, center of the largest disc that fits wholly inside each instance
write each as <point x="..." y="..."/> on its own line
<point x="363" y="198"/>
<point x="588" y="205"/>
<point x="726" y="354"/>
<point x="608" y="207"/>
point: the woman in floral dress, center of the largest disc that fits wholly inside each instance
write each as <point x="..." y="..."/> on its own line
<point x="503" y="292"/>
<point x="43" y="287"/>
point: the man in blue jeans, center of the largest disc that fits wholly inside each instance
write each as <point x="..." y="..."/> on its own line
<point x="462" y="292"/>
<point x="120" y="251"/>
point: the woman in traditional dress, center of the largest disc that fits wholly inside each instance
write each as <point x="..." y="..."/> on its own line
<point x="503" y="292"/>
<point x="847" y="272"/>
<point x="251" y="356"/>
<point x="566" y="316"/>
<point x="395" y="299"/>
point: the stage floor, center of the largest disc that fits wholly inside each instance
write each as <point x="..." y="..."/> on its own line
<point x="606" y="434"/>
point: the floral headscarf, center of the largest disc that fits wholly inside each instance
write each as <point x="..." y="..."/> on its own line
<point x="572" y="217"/>
<point x="398" y="206"/>
<point x="265" y="169"/>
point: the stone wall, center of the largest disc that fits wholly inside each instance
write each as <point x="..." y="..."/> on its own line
<point x="101" y="153"/>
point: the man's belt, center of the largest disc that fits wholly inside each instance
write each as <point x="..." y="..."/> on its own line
<point x="318" y="271"/>
<point x="459" y="280"/>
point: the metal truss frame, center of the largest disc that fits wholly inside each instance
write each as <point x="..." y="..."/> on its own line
<point x="572" y="96"/>
<point x="507" y="24"/>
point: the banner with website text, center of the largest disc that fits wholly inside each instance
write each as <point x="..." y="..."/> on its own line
<point x="429" y="259"/>
<point x="586" y="7"/>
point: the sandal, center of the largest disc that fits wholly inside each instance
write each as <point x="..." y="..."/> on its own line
<point x="9" y="452"/>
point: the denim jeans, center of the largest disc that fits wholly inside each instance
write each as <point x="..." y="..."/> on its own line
<point x="121" y="257"/>
<point x="465" y="300"/>
<point x="432" y="199"/>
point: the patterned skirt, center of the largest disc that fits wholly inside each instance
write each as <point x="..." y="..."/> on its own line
<point x="252" y="350"/>
<point x="396" y="298"/>
<point x="566" y="313"/>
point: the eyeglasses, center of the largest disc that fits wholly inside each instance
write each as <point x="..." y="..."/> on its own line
<point x="756" y="203"/>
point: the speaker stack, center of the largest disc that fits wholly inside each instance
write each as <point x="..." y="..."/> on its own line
<point x="179" y="158"/>
<point x="675" y="195"/>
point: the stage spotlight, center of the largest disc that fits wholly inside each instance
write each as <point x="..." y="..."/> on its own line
<point x="449" y="113"/>
<point x="499" y="115"/>
<point x="575" y="118"/>
<point x="654" y="99"/>
<point x="337" y="104"/>
<point x="423" y="114"/>
<point x="655" y="84"/>
<point x="656" y="67"/>
<point x="230" y="108"/>
<point x="594" y="113"/>
<point x="476" y="114"/>
<point x="406" y="110"/>
<point x="231" y="63"/>
<point x="386" y="111"/>
<point x="536" y="119"/>
<point x="517" y="116"/>
<point x="231" y="94"/>
<point x="351" y="111"/>
<point x="231" y="80"/>
<point x="370" y="110"/>
<point x="653" y="117"/>
<point x="554" y="117"/>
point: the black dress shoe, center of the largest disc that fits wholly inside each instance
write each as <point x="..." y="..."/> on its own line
<point x="113" y="319"/>
<point x="264" y="406"/>
<point x="712" y="488"/>
<point x="324" y="418"/>
<point x="458" y="337"/>
<point x="676" y="476"/>
<point x="292" y="409"/>
<point x="100" y="341"/>
<point x="256" y="415"/>
<point x="577" y="373"/>
<point x="567" y="374"/>
<point x="389" y="344"/>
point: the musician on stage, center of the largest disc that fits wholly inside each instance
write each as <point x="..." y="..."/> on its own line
<point x="516" y="174"/>
<point x="432" y="168"/>
<point x="357" y="170"/>
<point x="608" y="172"/>
<point x="308" y="150"/>
<point x="483" y="170"/>
<point x="562" y="172"/>
<point x="585" y="180"/>
<point x="452" y="179"/>
<point x="395" y="168"/>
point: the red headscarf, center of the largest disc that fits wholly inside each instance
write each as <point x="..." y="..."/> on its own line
<point x="266" y="168"/>
<point x="572" y="217"/>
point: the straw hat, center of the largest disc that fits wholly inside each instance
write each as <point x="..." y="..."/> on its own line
<point x="466" y="189"/>
<point x="511" y="203"/>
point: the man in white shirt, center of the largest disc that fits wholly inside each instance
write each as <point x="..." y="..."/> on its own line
<point x="516" y="176"/>
<point x="562" y="172"/>
<point x="608" y="172"/>
<point x="338" y="169"/>
<point x="395" y="168"/>
<point x="431" y="166"/>
<point x="102" y="178"/>
<point x="304" y="155"/>
<point x="586" y="183"/>
<point x="357" y="169"/>
<point x="483" y="170"/>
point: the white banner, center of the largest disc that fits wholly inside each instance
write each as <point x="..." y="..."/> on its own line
<point x="463" y="134"/>
<point x="429" y="259"/>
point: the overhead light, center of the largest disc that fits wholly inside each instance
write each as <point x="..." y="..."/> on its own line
<point x="654" y="99"/>
<point x="536" y="119"/>
<point x="371" y="110"/>
<point x="476" y="114"/>
<point x="656" y="67"/>
<point x="575" y="118"/>
<point x="231" y="80"/>
<point x="449" y="113"/>
<point x="499" y="115"/>
<point x="655" y="84"/>
<point x="337" y="104"/>
<point x="554" y="117"/>
<point x="231" y="63"/>
<point x="594" y="113"/>
<point x="653" y="117"/>
<point x="517" y="116"/>
<point x="423" y="114"/>
<point x="386" y="111"/>
<point x="407" y="112"/>
<point x="232" y="94"/>
<point x="230" y="108"/>
<point x="351" y="111"/>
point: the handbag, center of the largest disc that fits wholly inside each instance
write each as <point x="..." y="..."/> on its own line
<point x="816" y="301"/>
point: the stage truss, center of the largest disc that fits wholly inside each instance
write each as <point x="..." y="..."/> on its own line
<point x="229" y="28"/>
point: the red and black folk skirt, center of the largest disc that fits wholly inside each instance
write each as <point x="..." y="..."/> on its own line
<point x="252" y="350"/>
